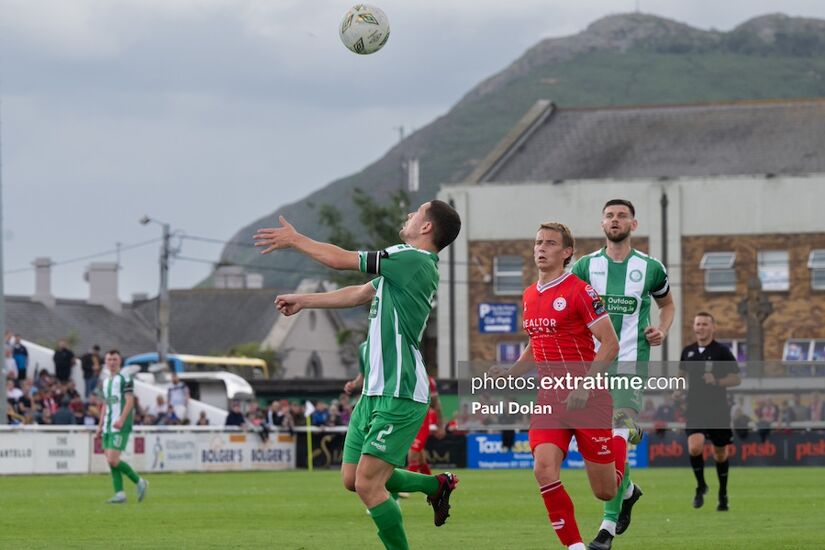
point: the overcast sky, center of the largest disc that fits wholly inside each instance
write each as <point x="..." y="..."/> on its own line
<point x="208" y="114"/>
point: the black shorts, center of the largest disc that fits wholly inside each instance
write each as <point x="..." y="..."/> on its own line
<point x="720" y="437"/>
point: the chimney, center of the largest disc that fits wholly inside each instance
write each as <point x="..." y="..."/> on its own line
<point x="102" y="278"/>
<point x="230" y="276"/>
<point x="43" y="281"/>
<point x="254" y="280"/>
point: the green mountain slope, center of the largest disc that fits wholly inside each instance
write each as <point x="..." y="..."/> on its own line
<point x="618" y="60"/>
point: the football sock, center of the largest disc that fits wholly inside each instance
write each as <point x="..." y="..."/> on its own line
<point x="411" y="482"/>
<point x="722" y="472"/>
<point x="614" y="505"/>
<point x="117" y="479"/>
<point x="561" y="512"/>
<point x="697" y="462"/>
<point x="609" y="526"/>
<point x="387" y="517"/>
<point x="620" y="454"/>
<point x="130" y="473"/>
<point x="425" y="469"/>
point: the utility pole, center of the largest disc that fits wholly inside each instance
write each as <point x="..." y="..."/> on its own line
<point x="163" y="299"/>
<point x="755" y="308"/>
<point x="664" y="203"/>
<point x="3" y="413"/>
<point x="163" y="294"/>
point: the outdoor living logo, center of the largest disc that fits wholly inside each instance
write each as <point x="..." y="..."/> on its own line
<point x="622" y="305"/>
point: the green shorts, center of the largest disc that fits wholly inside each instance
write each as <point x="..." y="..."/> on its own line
<point x="628" y="398"/>
<point x="383" y="427"/>
<point x="116" y="440"/>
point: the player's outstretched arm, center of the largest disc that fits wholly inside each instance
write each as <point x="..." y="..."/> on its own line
<point x="279" y="238"/>
<point x="350" y="296"/>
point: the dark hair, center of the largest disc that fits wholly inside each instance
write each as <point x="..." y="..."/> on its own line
<point x="705" y="314"/>
<point x="446" y="223"/>
<point x="115" y="352"/>
<point x="620" y="202"/>
<point x="567" y="240"/>
<point x="96" y="347"/>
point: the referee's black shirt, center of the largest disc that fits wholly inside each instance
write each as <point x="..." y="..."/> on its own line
<point x="707" y="404"/>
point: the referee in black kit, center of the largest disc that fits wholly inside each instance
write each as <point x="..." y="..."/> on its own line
<point x="710" y="368"/>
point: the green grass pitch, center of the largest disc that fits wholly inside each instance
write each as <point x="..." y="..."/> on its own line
<point x="770" y="508"/>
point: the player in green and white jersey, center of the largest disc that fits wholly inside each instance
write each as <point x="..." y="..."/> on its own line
<point x="627" y="281"/>
<point x="116" y="426"/>
<point x="396" y="393"/>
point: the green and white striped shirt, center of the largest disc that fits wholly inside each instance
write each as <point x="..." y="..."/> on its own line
<point x="404" y="292"/>
<point x="115" y="390"/>
<point x="626" y="288"/>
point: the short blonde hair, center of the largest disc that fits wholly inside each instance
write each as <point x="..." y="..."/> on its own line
<point x="567" y="239"/>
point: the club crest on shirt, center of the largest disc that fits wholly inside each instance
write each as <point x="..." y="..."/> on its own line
<point x="559" y="303"/>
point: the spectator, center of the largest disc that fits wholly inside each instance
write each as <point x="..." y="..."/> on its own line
<point x="202" y="419"/>
<point x="10" y="367"/>
<point x="90" y="362"/>
<point x="63" y="361"/>
<point x="13" y="396"/>
<point x="278" y="416"/>
<point x="666" y="412"/>
<point x="235" y="416"/>
<point x="767" y="413"/>
<point x="800" y="411"/>
<point x="297" y="412"/>
<point x="78" y="409"/>
<point x="786" y="414"/>
<point x="346" y="414"/>
<point x="63" y="416"/>
<point x="71" y="390"/>
<point x="178" y="396"/>
<point x="171" y="418"/>
<point x="320" y="417"/>
<point x="157" y="410"/>
<point x="44" y="381"/>
<point x="817" y="408"/>
<point x="649" y="411"/>
<point x="21" y="357"/>
<point x="92" y="416"/>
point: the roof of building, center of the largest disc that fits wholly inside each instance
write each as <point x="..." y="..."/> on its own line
<point x="81" y="322"/>
<point x="777" y="137"/>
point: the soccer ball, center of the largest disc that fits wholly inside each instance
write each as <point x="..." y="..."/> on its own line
<point x="365" y="29"/>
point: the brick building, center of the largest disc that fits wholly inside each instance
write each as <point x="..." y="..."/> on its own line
<point x="723" y="193"/>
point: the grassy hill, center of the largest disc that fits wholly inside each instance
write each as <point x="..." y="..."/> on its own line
<point x="617" y="60"/>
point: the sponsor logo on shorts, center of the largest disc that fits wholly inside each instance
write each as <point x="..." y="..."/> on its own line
<point x="380" y="446"/>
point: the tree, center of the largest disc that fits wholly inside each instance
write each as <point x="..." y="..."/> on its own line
<point x="254" y="350"/>
<point x="380" y="223"/>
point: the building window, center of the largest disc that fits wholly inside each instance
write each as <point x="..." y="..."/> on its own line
<point x="773" y="270"/>
<point x="807" y="350"/>
<point x="720" y="276"/>
<point x="507" y="275"/>
<point x="509" y="352"/>
<point x="796" y="350"/>
<point x="816" y="263"/>
<point x="739" y="348"/>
